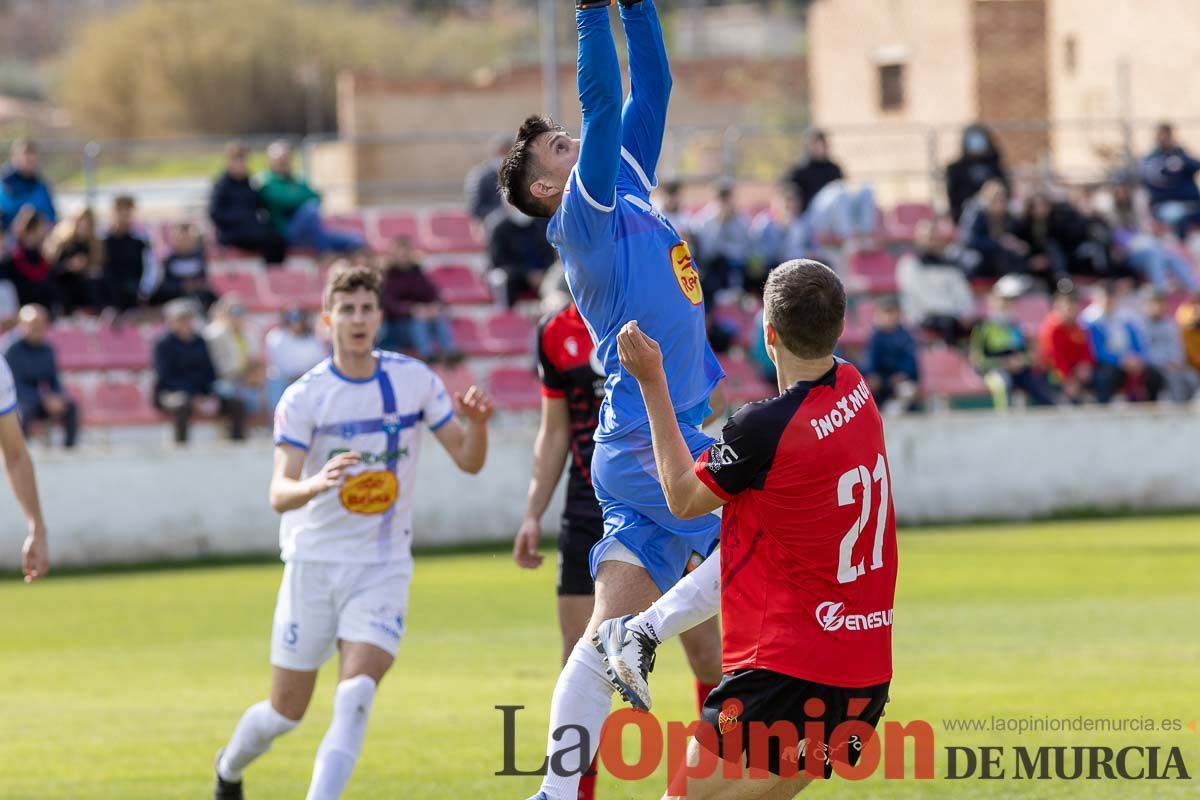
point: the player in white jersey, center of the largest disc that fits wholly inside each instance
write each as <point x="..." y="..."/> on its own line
<point x="347" y="438"/>
<point x="35" y="560"/>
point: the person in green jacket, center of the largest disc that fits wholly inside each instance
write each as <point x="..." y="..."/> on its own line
<point x="294" y="207"/>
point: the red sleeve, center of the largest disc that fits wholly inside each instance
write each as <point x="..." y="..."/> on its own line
<point x="708" y="480"/>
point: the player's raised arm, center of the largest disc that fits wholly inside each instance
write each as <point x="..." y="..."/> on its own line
<point x="644" y="118"/>
<point x="599" y="80"/>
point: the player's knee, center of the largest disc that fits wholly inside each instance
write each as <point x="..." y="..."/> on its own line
<point x="355" y="694"/>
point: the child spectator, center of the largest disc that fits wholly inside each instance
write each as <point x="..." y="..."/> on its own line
<point x="235" y="355"/>
<point x="184" y="375"/>
<point x="891" y="362"/>
<point x="1065" y="347"/>
<point x="78" y="258"/>
<point x="185" y="268"/>
<point x="130" y="272"/>
<point x="292" y="350"/>
<point x="25" y="266"/>
<point x="1164" y="350"/>
<point x="985" y="232"/>
<point x="416" y="318"/>
<point x="40" y="395"/>
<point x="934" y="293"/>
<point x="1121" y="366"/>
<point x="1000" y="353"/>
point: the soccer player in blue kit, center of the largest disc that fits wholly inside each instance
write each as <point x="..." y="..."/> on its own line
<point x="623" y="261"/>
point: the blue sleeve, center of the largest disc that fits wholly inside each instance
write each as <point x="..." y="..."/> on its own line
<point x="8" y="208"/>
<point x="644" y="118"/>
<point x="1100" y="344"/>
<point x="1136" y="346"/>
<point x="599" y="80"/>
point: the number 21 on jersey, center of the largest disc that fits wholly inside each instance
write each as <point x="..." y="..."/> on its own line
<point x="861" y="476"/>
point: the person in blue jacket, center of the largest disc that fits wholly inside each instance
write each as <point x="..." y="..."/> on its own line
<point x="22" y="185"/>
<point x="1169" y="174"/>
<point x="1121" y="365"/>
<point x="623" y="261"/>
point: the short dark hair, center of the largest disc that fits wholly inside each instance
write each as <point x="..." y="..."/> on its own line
<point x="520" y="167"/>
<point x="347" y="277"/>
<point x="805" y="302"/>
<point x="123" y="201"/>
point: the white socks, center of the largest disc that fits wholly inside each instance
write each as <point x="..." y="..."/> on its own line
<point x="344" y="740"/>
<point x="258" y="727"/>
<point x="694" y="599"/>
<point x="583" y="697"/>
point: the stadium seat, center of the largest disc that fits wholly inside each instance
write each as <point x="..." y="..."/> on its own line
<point x="122" y="348"/>
<point x="901" y="223"/>
<point x="349" y="223"/>
<point x="739" y="319"/>
<point x="742" y="382"/>
<point x="73" y="348"/>
<point x="247" y="284"/>
<point x="945" y="372"/>
<point x="1029" y="310"/>
<point x="860" y="320"/>
<point x="119" y="403"/>
<point x="876" y="269"/>
<point x="458" y="378"/>
<point x="459" y="284"/>
<point x="509" y="333"/>
<point x="468" y="338"/>
<point x="514" y="388"/>
<point x="293" y="287"/>
<point x="452" y="232"/>
<point x="391" y="225"/>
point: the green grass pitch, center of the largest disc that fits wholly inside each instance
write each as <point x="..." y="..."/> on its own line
<point x="122" y="685"/>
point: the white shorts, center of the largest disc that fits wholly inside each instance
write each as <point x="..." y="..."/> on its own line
<point x="321" y="603"/>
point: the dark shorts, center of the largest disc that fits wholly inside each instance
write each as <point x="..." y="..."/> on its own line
<point x="761" y="696"/>
<point x="575" y="541"/>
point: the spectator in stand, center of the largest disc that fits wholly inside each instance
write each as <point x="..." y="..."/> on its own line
<point x="1169" y="174"/>
<point x="238" y="212"/>
<point x="519" y="254"/>
<point x="25" y="265"/>
<point x="669" y="200"/>
<point x="891" y="361"/>
<point x="990" y="250"/>
<point x="780" y="234"/>
<point x="1039" y="229"/>
<point x="1000" y="353"/>
<point x="185" y="376"/>
<point x="1065" y="347"/>
<point x="1091" y="247"/>
<point x="723" y="244"/>
<point x="1121" y="365"/>
<point x="416" y="318"/>
<point x="482" y="188"/>
<point x="295" y="207"/>
<point x="292" y="350"/>
<point x="22" y="186"/>
<point x="1164" y="350"/>
<point x="185" y="268"/>
<point x="1154" y="259"/>
<point x="934" y="294"/>
<point x="831" y="205"/>
<point x="78" y="258"/>
<point x="1188" y="318"/>
<point x="130" y="271"/>
<point x="40" y="395"/>
<point x="236" y="356"/>
<point x="979" y="163"/>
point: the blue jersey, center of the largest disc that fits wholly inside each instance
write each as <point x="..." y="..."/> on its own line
<point x="624" y="261"/>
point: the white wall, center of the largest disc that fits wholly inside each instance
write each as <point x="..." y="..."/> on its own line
<point x="149" y="505"/>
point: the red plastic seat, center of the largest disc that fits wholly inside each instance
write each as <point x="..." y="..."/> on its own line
<point x="946" y="372"/>
<point x="248" y="285"/>
<point x="458" y="378"/>
<point x="459" y="284"/>
<point x="114" y="403"/>
<point x="902" y="222"/>
<point x="348" y="223"/>
<point x="1029" y="310"/>
<point x="287" y="288"/>
<point x="122" y="348"/>
<point x="514" y="388"/>
<point x="860" y="321"/>
<point x="742" y="382"/>
<point x="74" y="349"/>
<point x="452" y="232"/>
<point x="509" y="333"/>
<point x="876" y="269"/>
<point x="391" y="225"/>
<point x="468" y="338"/>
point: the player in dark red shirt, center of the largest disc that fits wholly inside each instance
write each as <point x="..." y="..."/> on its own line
<point x="808" y="537"/>
<point x="572" y="389"/>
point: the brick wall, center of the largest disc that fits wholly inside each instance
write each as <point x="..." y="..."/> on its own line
<point x="1011" y="72"/>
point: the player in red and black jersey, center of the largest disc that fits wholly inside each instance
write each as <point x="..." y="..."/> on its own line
<point x="808" y="541"/>
<point x="572" y="389"/>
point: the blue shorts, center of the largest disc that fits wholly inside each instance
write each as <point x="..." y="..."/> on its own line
<point x="635" y="509"/>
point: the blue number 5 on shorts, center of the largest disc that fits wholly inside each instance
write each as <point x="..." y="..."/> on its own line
<point x="635" y="509"/>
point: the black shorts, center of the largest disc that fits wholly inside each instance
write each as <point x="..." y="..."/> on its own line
<point x="575" y="541"/>
<point x="756" y="695"/>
